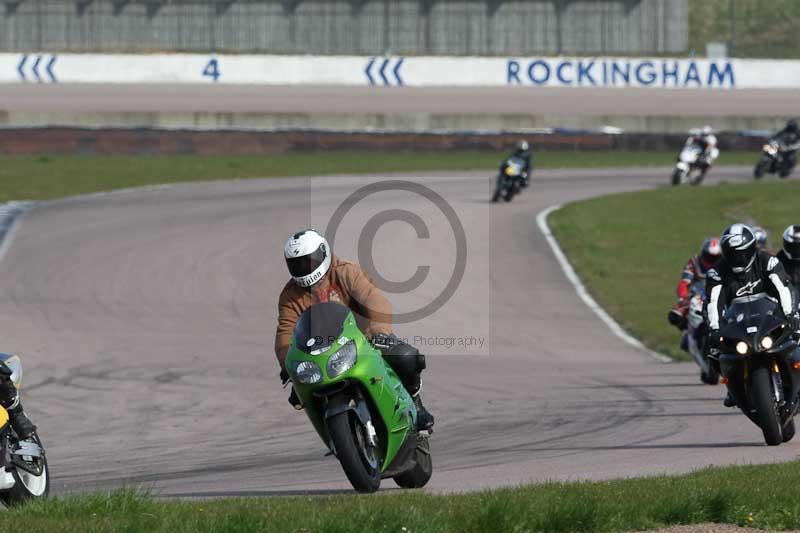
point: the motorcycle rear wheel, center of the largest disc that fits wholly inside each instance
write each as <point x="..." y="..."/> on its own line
<point x="418" y="476"/>
<point x="788" y="431"/>
<point x="360" y="465"/>
<point x="709" y="378"/>
<point x="763" y="400"/>
<point x="698" y="179"/>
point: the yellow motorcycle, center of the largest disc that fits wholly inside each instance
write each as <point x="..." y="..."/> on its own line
<point x="24" y="475"/>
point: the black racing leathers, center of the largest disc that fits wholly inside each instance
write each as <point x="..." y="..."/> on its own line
<point x="766" y="276"/>
<point x="791" y="139"/>
<point x="792" y="268"/>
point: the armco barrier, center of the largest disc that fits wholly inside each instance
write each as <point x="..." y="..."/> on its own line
<point x="400" y="71"/>
<point x="27" y="141"/>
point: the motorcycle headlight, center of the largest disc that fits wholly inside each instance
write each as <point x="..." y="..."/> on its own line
<point x="307" y="372"/>
<point x="342" y="361"/>
<point x="741" y="347"/>
<point x="766" y="342"/>
<point x="510" y="171"/>
<point x="770" y="149"/>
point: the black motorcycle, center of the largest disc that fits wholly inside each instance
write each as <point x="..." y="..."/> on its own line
<point x="775" y="159"/>
<point x="759" y="358"/>
<point x="510" y="180"/>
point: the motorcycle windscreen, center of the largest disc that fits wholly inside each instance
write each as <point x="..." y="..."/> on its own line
<point x="750" y="315"/>
<point x="319" y="327"/>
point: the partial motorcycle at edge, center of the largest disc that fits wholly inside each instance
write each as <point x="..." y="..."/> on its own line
<point x="25" y="475"/>
<point x="759" y="359"/>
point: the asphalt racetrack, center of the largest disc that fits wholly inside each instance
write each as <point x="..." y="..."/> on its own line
<point x="599" y="102"/>
<point x="146" y="321"/>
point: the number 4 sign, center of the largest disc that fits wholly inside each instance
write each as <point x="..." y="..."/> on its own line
<point x="212" y="69"/>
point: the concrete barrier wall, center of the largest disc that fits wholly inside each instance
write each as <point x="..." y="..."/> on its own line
<point x="400" y="71"/>
<point x="419" y="27"/>
<point x="73" y="141"/>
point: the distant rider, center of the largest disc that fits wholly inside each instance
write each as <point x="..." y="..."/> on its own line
<point x="761" y="237"/>
<point x="707" y="141"/>
<point x="789" y="257"/>
<point x="695" y="269"/>
<point x="319" y="276"/>
<point x="744" y="272"/>
<point x="522" y="150"/>
<point x="789" y="136"/>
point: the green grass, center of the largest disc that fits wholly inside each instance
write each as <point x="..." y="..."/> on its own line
<point x="758" y="496"/>
<point x="629" y="249"/>
<point x="46" y="177"/>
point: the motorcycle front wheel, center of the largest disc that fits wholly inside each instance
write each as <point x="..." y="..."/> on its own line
<point x="28" y="486"/>
<point x="761" y="168"/>
<point x="360" y="461"/>
<point x="763" y="400"/>
<point x="677" y="176"/>
<point x="418" y="476"/>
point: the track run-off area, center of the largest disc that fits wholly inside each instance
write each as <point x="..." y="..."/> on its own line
<point x="146" y="319"/>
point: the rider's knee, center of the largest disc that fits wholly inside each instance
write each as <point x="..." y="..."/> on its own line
<point x="407" y="363"/>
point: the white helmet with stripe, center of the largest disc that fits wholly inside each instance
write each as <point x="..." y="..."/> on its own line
<point x="739" y="247"/>
<point x="791" y="242"/>
<point x="308" y="257"/>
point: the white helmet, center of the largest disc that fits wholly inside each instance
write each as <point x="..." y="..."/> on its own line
<point x="706" y="131"/>
<point x="308" y="257"/>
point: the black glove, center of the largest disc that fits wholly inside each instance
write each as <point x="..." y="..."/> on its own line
<point x="794" y="321"/>
<point x="384" y="340"/>
<point x="677" y="319"/>
<point x="284" y="377"/>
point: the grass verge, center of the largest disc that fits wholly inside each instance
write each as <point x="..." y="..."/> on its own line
<point x="759" y="496"/>
<point x="47" y="177"/>
<point x="629" y="249"/>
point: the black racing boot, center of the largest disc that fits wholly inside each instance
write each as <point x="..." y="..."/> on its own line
<point x="729" y="400"/>
<point x="294" y="400"/>
<point x="424" y="418"/>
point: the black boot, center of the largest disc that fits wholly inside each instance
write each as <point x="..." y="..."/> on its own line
<point x="22" y="425"/>
<point x="424" y="418"/>
<point x="729" y="400"/>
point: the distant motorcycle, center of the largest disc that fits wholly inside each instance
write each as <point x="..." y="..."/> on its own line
<point x="760" y="360"/>
<point x="510" y="179"/>
<point x="775" y="159"/>
<point x="690" y="167"/>
<point x="696" y="333"/>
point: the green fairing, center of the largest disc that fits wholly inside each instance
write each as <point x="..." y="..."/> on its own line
<point x="390" y="400"/>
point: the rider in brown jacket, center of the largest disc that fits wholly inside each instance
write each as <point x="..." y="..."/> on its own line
<point x="319" y="276"/>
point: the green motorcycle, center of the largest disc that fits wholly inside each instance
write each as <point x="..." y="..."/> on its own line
<point x="356" y="402"/>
